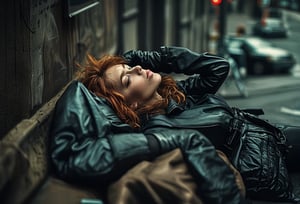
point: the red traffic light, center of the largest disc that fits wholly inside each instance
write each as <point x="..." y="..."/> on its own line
<point x="216" y="2"/>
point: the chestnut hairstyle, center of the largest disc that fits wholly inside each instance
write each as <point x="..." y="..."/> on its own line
<point x="92" y="76"/>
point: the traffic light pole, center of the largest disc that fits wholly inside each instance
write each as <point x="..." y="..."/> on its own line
<point x="222" y="27"/>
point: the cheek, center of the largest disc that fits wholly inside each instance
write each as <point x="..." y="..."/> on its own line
<point x="138" y="89"/>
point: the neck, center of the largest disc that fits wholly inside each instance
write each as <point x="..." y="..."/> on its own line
<point x="155" y="105"/>
<point x="156" y="98"/>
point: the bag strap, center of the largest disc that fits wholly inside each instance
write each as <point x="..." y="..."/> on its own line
<point x="254" y="111"/>
<point x="275" y="131"/>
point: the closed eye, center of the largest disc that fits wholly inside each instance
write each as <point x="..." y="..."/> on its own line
<point x="127" y="83"/>
<point x="125" y="78"/>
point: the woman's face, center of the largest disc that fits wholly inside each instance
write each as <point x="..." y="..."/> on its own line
<point x="136" y="84"/>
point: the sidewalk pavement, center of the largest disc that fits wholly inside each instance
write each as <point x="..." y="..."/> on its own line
<point x="262" y="85"/>
<point x="257" y="85"/>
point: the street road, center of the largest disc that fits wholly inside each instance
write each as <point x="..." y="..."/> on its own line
<point x="279" y="106"/>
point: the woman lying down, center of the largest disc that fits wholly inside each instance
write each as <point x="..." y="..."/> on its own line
<point x="123" y="111"/>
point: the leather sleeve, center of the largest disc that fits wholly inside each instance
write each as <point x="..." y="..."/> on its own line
<point x="89" y="143"/>
<point x="215" y="179"/>
<point x="211" y="70"/>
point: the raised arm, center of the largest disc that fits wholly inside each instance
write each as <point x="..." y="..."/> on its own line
<point x="211" y="70"/>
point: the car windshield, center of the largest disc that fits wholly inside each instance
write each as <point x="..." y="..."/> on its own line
<point x="235" y="44"/>
<point x="255" y="42"/>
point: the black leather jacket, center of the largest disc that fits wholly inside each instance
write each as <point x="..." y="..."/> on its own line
<point x="203" y="109"/>
<point x="89" y="142"/>
<point x="208" y="73"/>
<point x="256" y="157"/>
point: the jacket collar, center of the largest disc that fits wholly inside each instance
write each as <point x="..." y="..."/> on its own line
<point x="174" y="108"/>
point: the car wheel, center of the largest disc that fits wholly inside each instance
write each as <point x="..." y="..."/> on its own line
<point x="258" y="68"/>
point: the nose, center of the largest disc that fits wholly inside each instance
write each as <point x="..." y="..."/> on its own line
<point x="137" y="69"/>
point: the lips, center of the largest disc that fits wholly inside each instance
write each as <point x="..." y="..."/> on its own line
<point x="149" y="73"/>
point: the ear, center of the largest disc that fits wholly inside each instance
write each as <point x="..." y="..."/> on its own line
<point x="134" y="105"/>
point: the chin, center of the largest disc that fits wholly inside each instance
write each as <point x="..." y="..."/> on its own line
<point x="157" y="77"/>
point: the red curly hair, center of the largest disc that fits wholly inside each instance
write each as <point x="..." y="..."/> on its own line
<point x="92" y="76"/>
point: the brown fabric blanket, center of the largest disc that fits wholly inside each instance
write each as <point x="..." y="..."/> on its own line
<point x="165" y="180"/>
